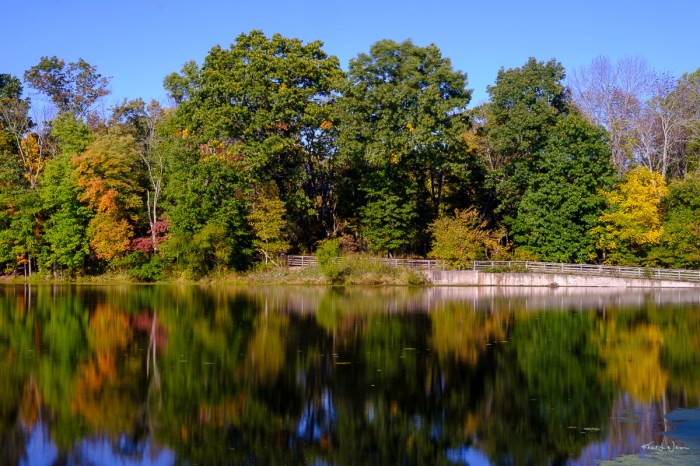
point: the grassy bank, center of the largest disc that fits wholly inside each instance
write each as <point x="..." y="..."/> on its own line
<point x="345" y="271"/>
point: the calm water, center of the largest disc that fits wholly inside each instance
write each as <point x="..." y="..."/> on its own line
<point x="146" y="375"/>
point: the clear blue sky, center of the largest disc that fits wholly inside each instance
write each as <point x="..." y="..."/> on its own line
<point x="139" y="42"/>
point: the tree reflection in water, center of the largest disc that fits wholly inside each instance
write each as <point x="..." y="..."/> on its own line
<point x="163" y="375"/>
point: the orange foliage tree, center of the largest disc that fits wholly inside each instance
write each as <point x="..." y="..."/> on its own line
<point x="107" y="176"/>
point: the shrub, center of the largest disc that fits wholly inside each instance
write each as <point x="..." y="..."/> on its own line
<point x="335" y="268"/>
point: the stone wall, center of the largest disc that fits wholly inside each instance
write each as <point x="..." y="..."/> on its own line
<point x="476" y="278"/>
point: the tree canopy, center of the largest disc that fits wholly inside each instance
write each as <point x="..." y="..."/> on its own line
<point x="268" y="147"/>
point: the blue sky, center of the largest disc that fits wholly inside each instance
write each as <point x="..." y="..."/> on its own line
<point x="139" y="42"/>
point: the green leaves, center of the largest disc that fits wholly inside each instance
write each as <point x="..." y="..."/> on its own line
<point x="525" y="105"/>
<point x="561" y="203"/>
<point x="388" y="221"/>
<point x="400" y="125"/>
<point x="263" y="104"/>
<point x="73" y="88"/>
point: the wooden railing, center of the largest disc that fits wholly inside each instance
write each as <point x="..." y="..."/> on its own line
<point x="422" y="264"/>
<point x="300" y="261"/>
<point x="586" y="269"/>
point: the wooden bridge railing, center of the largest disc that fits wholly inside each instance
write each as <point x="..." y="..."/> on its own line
<point x="586" y="269"/>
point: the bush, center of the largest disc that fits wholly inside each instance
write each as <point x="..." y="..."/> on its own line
<point x="415" y="278"/>
<point x="143" y="267"/>
<point x="335" y="268"/>
<point x="327" y="251"/>
<point x="336" y="272"/>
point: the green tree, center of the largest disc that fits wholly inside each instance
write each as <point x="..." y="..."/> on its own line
<point x="526" y="104"/>
<point x="73" y="87"/>
<point x="20" y="224"/>
<point x="264" y="102"/>
<point x="389" y="220"/>
<point x="562" y="202"/>
<point x="679" y="244"/>
<point x="10" y="86"/>
<point x="206" y="210"/>
<point x="400" y="120"/>
<point x="65" y="229"/>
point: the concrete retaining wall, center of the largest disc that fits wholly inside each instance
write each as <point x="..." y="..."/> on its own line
<point x="476" y="278"/>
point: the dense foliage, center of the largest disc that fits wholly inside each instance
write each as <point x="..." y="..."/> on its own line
<point x="269" y="147"/>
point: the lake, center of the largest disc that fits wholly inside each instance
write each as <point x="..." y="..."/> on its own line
<point x="161" y="375"/>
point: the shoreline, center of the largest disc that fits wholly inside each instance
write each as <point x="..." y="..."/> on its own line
<point x="312" y="276"/>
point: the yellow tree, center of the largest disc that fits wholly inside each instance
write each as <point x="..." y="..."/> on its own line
<point x="267" y="221"/>
<point x="632" y="223"/>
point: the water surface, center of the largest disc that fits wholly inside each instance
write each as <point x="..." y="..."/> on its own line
<point x="160" y="375"/>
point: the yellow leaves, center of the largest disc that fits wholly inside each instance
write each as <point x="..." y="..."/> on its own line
<point x="462" y="333"/>
<point x="30" y="144"/>
<point x="33" y="157"/>
<point x="472" y="142"/>
<point x="184" y="134"/>
<point x="267" y="221"/>
<point x="410" y="128"/>
<point x="633" y="218"/>
<point x="632" y="358"/>
<point x="393" y="159"/>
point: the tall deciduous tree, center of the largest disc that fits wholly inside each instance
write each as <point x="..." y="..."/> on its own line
<point x="562" y="203"/>
<point x="144" y="123"/>
<point x="264" y="102"/>
<point x="65" y="236"/>
<point x="647" y="114"/>
<point x="108" y="182"/>
<point x="526" y="103"/>
<point x="22" y="156"/>
<point x="29" y="148"/>
<point x="612" y="96"/>
<point x="659" y="130"/>
<point x="267" y="220"/>
<point x="688" y="92"/>
<point x="400" y="125"/>
<point x="73" y="87"/>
